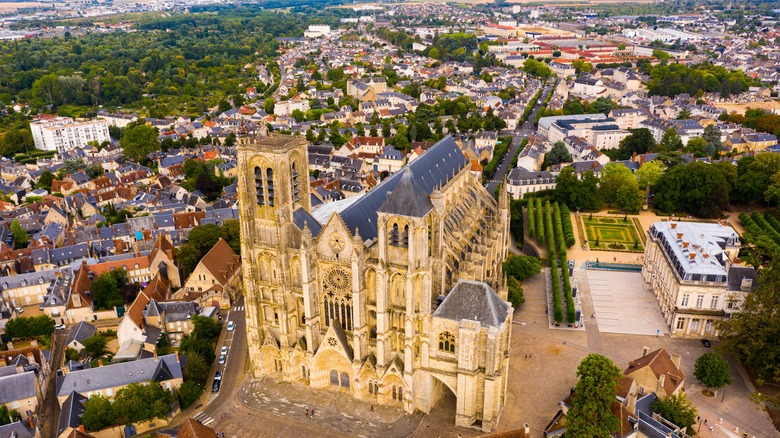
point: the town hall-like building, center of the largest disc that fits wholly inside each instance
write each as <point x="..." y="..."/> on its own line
<point x="395" y="295"/>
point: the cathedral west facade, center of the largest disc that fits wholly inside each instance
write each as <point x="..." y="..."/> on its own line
<point x="395" y="295"/>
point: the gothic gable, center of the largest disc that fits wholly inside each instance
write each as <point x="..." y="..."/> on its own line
<point x="335" y="239"/>
<point x="335" y="340"/>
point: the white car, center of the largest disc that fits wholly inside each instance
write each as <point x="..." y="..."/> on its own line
<point x="59" y="326"/>
<point x="222" y="359"/>
<point x="19" y="310"/>
<point x="224" y="350"/>
<point x="231" y="326"/>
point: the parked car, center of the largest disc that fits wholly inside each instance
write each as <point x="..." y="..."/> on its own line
<point x="224" y="350"/>
<point x="19" y="310"/>
<point x="705" y="342"/>
<point x="59" y="326"/>
<point x="216" y="385"/>
<point x="231" y="326"/>
<point x="218" y="376"/>
<point x="222" y="359"/>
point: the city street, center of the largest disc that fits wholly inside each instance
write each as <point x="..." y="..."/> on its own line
<point x="523" y="131"/>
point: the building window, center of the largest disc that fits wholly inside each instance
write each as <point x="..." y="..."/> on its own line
<point x="699" y="300"/>
<point x="447" y="342"/>
<point x="684" y="302"/>
<point x="694" y="325"/>
<point x="680" y="323"/>
<point x="714" y="302"/>
<point x="370" y="387"/>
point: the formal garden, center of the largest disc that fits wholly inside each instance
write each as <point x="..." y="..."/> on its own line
<point x="612" y="233"/>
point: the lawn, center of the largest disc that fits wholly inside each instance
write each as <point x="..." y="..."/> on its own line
<point x="612" y="234"/>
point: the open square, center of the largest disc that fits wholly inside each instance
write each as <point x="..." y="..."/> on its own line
<point x="623" y="303"/>
<point x="612" y="234"/>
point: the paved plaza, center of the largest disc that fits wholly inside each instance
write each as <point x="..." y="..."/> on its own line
<point x="622" y="302"/>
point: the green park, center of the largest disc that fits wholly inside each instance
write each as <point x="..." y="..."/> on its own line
<point x="612" y="233"/>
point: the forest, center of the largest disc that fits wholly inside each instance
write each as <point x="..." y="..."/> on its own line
<point x="184" y="63"/>
<point x="673" y="79"/>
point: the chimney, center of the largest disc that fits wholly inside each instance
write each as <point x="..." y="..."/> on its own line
<point x="527" y="429"/>
<point x="100" y="362"/>
<point x="661" y="380"/>
<point x="676" y="360"/>
<point x="645" y="350"/>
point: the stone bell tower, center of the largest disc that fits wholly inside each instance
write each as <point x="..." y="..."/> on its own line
<point x="272" y="184"/>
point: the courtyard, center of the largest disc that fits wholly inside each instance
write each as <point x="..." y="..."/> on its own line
<point x="612" y="233"/>
<point x="622" y="302"/>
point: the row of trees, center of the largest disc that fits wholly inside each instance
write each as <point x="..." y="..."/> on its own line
<point x="134" y="403"/>
<point x="199" y="350"/>
<point x="673" y="79"/>
<point x="29" y="327"/>
<point x="641" y="141"/>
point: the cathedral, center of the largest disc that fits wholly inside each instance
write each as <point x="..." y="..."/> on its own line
<point x="395" y="296"/>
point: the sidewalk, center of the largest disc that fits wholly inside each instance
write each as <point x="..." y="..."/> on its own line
<point x="334" y="410"/>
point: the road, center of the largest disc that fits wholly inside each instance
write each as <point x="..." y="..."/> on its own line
<point x="49" y="411"/>
<point x="523" y="131"/>
<point x="234" y="368"/>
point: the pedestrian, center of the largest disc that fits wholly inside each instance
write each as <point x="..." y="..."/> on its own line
<point x="312" y="412"/>
<point x="372" y="408"/>
<point x="307" y="411"/>
<point x="705" y="421"/>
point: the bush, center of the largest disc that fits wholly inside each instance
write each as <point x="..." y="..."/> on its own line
<point x="531" y="220"/>
<point x="539" y="221"/>
<point x="71" y="354"/>
<point x="521" y="266"/>
<point x="95" y="345"/>
<point x="189" y="393"/>
<point x="29" y="327"/>
<point x="568" y="229"/>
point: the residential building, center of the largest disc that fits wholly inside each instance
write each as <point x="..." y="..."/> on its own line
<point x="216" y="279"/>
<point x="657" y="372"/>
<point x="63" y="133"/>
<point x="107" y="380"/>
<point x="691" y="269"/>
<point x="521" y="181"/>
<point x="78" y="333"/>
<point x="20" y="392"/>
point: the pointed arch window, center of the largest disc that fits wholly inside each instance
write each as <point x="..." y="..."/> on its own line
<point x="447" y="342"/>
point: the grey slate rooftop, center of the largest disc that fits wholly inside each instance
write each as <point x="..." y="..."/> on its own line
<point x="473" y="301"/>
<point x="120" y="374"/>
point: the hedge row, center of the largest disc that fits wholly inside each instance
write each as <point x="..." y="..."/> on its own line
<point x="531" y="220"/>
<point x="29" y="327"/>
<point x="559" y="239"/>
<point x="771" y="220"/>
<point x="571" y="310"/>
<point x="755" y="230"/>
<point x="490" y="168"/>
<point x="556" y="290"/>
<point x="765" y="227"/>
<point x="568" y="229"/>
<point x="539" y="221"/>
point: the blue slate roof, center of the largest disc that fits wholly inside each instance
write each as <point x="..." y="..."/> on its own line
<point x="428" y="172"/>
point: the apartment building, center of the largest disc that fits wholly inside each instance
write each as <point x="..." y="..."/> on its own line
<point x="63" y="133"/>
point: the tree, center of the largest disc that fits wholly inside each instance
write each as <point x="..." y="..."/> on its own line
<point x="189" y="391"/>
<point x="373" y="131"/>
<point x="590" y="414"/>
<point x="648" y="174"/>
<point x="400" y="140"/>
<point x="204" y="237"/>
<point x="753" y="333"/>
<point x="5" y="416"/>
<point x="640" y="141"/>
<point x="139" y="402"/>
<point x="298" y="115"/>
<point x="224" y="106"/>
<point x="98" y="413"/>
<point x="521" y="266"/>
<point x="268" y="105"/>
<point x="106" y="293"/>
<point x="697" y="188"/>
<point x="712" y="138"/>
<point x="630" y="197"/>
<point x="684" y="114"/>
<point x="21" y="238"/>
<point x="696" y="146"/>
<point x="29" y="327"/>
<point x="615" y="176"/>
<point x="197" y="369"/>
<point x="139" y="140"/>
<point x="45" y="180"/>
<point x="670" y="141"/>
<point x="95" y="345"/>
<point x="71" y="354"/>
<point x="16" y="141"/>
<point x="712" y="371"/>
<point x="677" y="409"/>
<point x="558" y="154"/>
<point x="206" y="328"/>
<point x="755" y="174"/>
<point x="514" y="292"/>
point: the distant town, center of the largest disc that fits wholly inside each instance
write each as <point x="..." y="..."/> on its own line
<point x="389" y="219"/>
